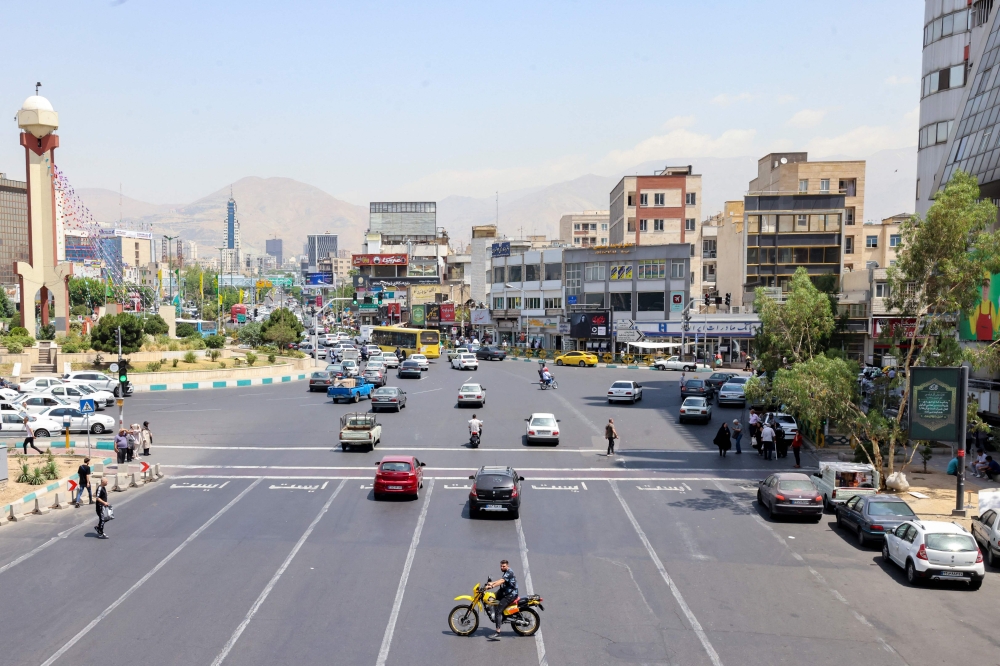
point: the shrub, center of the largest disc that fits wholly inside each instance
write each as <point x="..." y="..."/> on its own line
<point x="50" y="470"/>
<point x="37" y="477"/>
<point x="190" y="357"/>
<point x="214" y="354"/>
<point x="271" y="358"/>
<point x="47" y="332"/>
<point x="222" y="365"/>
<point x="173" y="363"/>
<point x="215" y="341"/>
<point x="25" y="475"/>
<point x="163" y="361"/>
<point x="105" y="335"/>
<point x="153" y="366"/>
<point x="14" y="346"/>
<point x="20" y="330"/>
<point x="80" y="311"/>
<point x="185" y="330"/>
<point x="174" y="345"/>
<point x="195" y="342"/>
<point x="251" y="358"/>
<point x="155" y="325"/>
<point x="237" y="362"/>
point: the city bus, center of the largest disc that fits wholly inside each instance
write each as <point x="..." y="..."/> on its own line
<point x="203" y="326"/>
<point x="410" y="340"/>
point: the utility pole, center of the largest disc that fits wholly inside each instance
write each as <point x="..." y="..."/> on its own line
<point x="121" y="384"/>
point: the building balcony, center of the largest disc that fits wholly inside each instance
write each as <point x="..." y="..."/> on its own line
<point x="505" y="314"/>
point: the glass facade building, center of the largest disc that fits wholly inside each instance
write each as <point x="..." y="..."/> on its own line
<point x="402" y="221"/>
<point x="13" y="227"/>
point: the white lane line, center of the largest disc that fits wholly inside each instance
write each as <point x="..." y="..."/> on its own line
<point x="166" y="411"/>
<point x="368" y="477"/>
<point x="383" y="653"/>
<point x="678" y="597"/>
<point x="427" y="391"/>
<point x="62" y="535"/>
<point x="416" y="448"/>
<point x="759" y="472"/>
<point x="139" y="583"/>
<point x="540" y="643"/>
<point x="274" y="579"/>
<point x="815" y="574"/>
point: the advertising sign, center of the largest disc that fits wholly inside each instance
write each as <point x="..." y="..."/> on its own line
<point x="447" y="312"/>
<point x="571" y="300"/>
<point x="677" y="301"/>
<point x="319" y="278"/>
<point x="417" y="315"/>
<point x="937" y="403"/>
<point x="501" y="249"/>
<point x="481" y="317"/>
<point x="621" y="272"/>
<point x="403" y="281"/>
<point x="590" y="325"/>
<point x="432" y="312"/>
<point x="983" y="323"/>
<point x="393" y="309"/>
<point x="379" y="259"/>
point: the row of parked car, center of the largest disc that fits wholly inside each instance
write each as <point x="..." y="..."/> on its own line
<point x="51" y="402"/>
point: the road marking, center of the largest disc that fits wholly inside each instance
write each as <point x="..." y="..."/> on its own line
<point x="383" y="653"/>
<point x="165" y="411"/>
<point x="293" y="486"/>
<point x="679" y="488"/>
<point x="457" y="469"/>
<point x="457" y="486"/>
<point x="197" y="486"/>
<point x="332" y="447"/>
<point x="427" y="391"/>
<point x="120" y="600"/>
<point x="274" y="579"/>
<point x="678" y="597"/>
<point x="367" y="477"/>
<point x="540" y="643"/>
<point x="546" y="486"/>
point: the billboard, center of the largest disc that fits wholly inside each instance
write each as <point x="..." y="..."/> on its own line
<point x="937" y="403"/>
<point x="447" y="312"/>
<point x="677" y="301"/>
<point x="621" y="272"/>
<point x="417" y="315"/>
<point x="432" y="312"/>
<point x="379" y="260"/>
<point x="319" y="278"/>
<point x="590" y="324"/>
<point x="501" y="249"/>
<point x="983" y="323"/>
<point x="481" y="317"/>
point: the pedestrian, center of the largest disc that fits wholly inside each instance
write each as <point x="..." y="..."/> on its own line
<point x="755" y="431"/>
<point x="780" y="440"/>
<point x="797" y="449"/>
<point x="722" y="439"/>
<point x="612" y="435"/>
<point x="767" y="441"/>
<point x="83" y="471"/>
<point x="102" y="502"/>
<point x="30" y="439"/>
<point x="132" y="436"/>
<point x="737" y="431"/>
<point x="683" y="379"/>
<point x="121" y="446"/>
<point x="147" y="438"/>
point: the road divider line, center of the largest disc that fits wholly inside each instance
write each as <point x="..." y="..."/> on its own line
<point x="540" y="642"/>
<point x="390" y="628"/>
<point x="760" y="472"/>
<point x="678" y="597"/>
<point x="332" y="448"/>
<point x="139" y="583"/>
<point x="274" y="579"/>
<point x="368" y="477"/>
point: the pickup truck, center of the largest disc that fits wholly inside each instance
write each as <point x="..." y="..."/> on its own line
<point x="361" y="430"/>
<point x="361" y="389"/>
<point x="838" y="482"/>
<point x="675" y="363"/>
<point x="454" y="353"/>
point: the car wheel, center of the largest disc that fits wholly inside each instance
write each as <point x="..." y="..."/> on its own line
<point x="343" y="447"/>
<point x="41" y="432"/>
<point x="840" y="523"/>
<point x="559" y="361"/>
<point x="885" y="553"/>
<point x="760" y="500"/>
<point x="473" y="511"/>
<point x="379" y="497"/>
<point x="515" y="514"/>
<point x="911" y="574"/>
<point x="581" y="364"/>
<point x="990" y="557"/>
<point x="117" y="391"/>
<point x="97" y="429"/>
<point x="862" y="539"/>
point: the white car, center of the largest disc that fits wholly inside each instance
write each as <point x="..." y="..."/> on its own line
<point x="471" y="394"/>
<point x="542" y="428"/>
<point x="786" y="421"/>
<point x="375" y="364"/>
<point x="465" y="362"/>
<point x="351" y="368"/>
<point x="986" y="530"/>
<point x="625" y="390"/>
<point x="373" y="350"/>
<point x="421" y="361"/>
<point x="32" y="403"/>
<point x="99" y="423"/>
<point x="695" y="409"/>
<point x="675" y="363"/>
<point x="72" y="394"/>
<point x="390" y="360"/>
<point x="9" y="394"/>
<point x="98" y="380"/>
<point x="933" y="550"/>
<point x="37" y="384"/>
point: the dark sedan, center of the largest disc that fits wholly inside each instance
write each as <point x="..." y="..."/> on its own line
<point x="790" y="493"/>
<point x="320" y="381"/>
<point x="871" y="516"/>
<point x="491" y="354"/>
<point x="717" y="380"/>
<point x="388" y="397"/>
<point x="495" y="489"/>
<point x="409" y="369"/>
<point x="696" y="388"/>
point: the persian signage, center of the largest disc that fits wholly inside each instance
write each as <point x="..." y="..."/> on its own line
<point x="937" y="403"/>
<point x="379" y="260"/>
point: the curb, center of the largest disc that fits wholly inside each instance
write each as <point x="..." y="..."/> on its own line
<point x="8" y="509"/>
<point x="226" y="383"/>
<point x="619" y="366"/>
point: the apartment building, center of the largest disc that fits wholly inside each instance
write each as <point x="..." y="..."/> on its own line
<point x="585" y="229"/>
<point x="526" y="293"/>
<point x="730" y="275"/>
<point x="881" y="240"/>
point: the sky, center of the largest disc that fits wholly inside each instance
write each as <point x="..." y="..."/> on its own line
<point x="419" y="101"/>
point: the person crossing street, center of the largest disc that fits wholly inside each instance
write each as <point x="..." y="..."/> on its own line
<point x="84" y="473"/>
<point x="612" y="434"/>
<point x="30" y="439"/>
<point x="102" y="503"/>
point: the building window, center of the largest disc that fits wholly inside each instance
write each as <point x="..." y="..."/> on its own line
<point x="824" y="186"/>
<point x="857" y="310"/>
<point x="621" y="302"/>
<point x="753" y="256"/>
<point x="659" y="199"/>
<point x="677" y="269"/>
<point x="895" y="240"/>
<point x="553" y="271"/>
<point x="631" y="224"/>
<point x="689" y="224"/>
<point x="849" y="217"/>
<point x="801" y="222"/>
<point x="573" y="286"/>
<point x="882" y="290"/>
<point x="553" y="303"/>
<point x="621" y="272"/>
<point x="513" y="302"/>
<point x="708" y="248"/>
<point x="871" y="241"/>
<point x="604" y="226"/>
<point x="631" y="200"/>
<point x="956" y="22"/>
<point x="643" y="199"/>
<point x="649" y="301"/>
<point x="576" y="227"/>
<point x="708" y="273"/>
<point x="934" y="133"/>
<point x="515" y="273"/>
<point x="596" y="300"/>
<point x="690" y="198"/>
<point x="498" y="275"/>
<point x="498" y="302"/>
<point x="532" y="273"/>
<point x="652" y="269"/>
<point x="848" y="187"/>
<point x="803" y="185"/>
<point x="848" y="244"/>
<point x="943" y="79"/>
<point x="642" y="224"/>
<point x="594" y="271"/>
<point x="657" y="225"/>
<point x="576" y="241"/>
<point x="532" y="303"/>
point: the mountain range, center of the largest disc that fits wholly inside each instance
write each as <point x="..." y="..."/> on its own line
<point x="288" y="209"/>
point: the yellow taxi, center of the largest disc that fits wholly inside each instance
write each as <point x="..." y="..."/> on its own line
<point x="580" y="358"/>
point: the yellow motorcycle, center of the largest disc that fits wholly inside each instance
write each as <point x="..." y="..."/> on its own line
<point x="464" y="618"/>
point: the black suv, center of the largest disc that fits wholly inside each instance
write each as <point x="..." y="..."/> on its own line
<point x="491" y="354"/>
<point x="495" y="489"/>
<point x="697" y="388"/>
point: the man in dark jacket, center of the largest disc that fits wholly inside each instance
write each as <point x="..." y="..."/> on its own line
<point x="102" y="502"/>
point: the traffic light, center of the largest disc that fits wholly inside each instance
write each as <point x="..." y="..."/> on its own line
<point x="123" y="375"/>
<point x="727" y="298"/>
<point x="707" y="302"/>
<point x="255" y="313"/>
<point x="355" y="298"/>
<point x="380" y="298"/>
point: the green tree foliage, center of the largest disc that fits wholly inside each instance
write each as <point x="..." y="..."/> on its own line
<point x="86" y="291"/>
<point x="215" y="341"/>
<point x="251" y="334"/>
<point x="283" y="317"/>
<point x="155" y="325"/>
<point x="104" y="336"/>
<point x="281" y="335"/>
<point x="7" y="309"/>
<point x="186" y="330"/>
<point x="797" y="329"/>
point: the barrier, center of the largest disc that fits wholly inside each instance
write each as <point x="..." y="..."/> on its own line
<point x="41" y="507"/>
<point x="62" y="498"/>
<point x="19" y="511"/>
<point x="120" y="482"/>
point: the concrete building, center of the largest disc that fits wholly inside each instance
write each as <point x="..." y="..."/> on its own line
<point x="881" y="241"/>
<point x="337" y="266"/>
<point x="320" y="246"/>
<point x="402" y="221"/>
<point x="231" y="243"/>
<point x="730" y="252"/>
<point x="272" y="246"/>
<point x="954" y="38"/>
<point x="584" y="229"/>
<point x="13" y="228"/>
<point x="191" y="252"/>
<point x="526" y="294"/>
<point x="479" y="264"/>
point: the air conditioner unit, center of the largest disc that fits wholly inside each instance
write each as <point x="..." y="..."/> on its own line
<point x="736" y="309"/>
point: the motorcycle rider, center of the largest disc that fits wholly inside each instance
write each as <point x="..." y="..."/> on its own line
<point x="475" y="427"/>
<point x="508" y="592"/>
<point x="546" y="376"/>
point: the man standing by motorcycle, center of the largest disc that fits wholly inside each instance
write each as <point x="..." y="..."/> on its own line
<point x="508" y="592"/>
<point x="475" y="430"/>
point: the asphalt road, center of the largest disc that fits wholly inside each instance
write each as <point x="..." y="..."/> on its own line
<point x="264" y="544"/>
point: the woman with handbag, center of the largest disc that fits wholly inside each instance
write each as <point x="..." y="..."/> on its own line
<point x="104" y="513"/>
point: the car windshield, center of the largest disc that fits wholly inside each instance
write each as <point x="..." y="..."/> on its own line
<point x="336" y="368"/>
<point x="410" y="364"/>
<point x="801" y="485"/>
<point x="889" y="509"/>
<point x="737" y="380"/>
<point x="418" y="357"/>
<point x="729" y="386"/>
<point x="694" y="383"/>
<point x="622" y="385"/>
<point x="786" y="419"/>
<point x="372" y="371"/>
<point x="395" y="467"/>
<point x="385" y="391"/>
<point x="694" y="402"/>
<point x="719" y="375"/>
<point x="321" y="375"/>
<point x="469" y="388"/>
<point x="952" y="543"/>
<point x="544" y="421"/>
<point x="349" y="364"/>
<point x="494" y="481"/>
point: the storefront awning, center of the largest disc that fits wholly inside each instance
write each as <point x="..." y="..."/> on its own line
<point x="655" y="345"/>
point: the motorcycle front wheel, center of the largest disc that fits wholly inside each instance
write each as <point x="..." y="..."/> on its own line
<point x="526" y="623"/>
<point x="463" y="620"/>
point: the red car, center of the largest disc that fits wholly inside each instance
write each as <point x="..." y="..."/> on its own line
<point x="402" y="475"/>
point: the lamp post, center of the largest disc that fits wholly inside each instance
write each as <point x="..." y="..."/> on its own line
<point x="527" y="328"/>
<point x="218" y="290"/>
<point x="170" y="264"/>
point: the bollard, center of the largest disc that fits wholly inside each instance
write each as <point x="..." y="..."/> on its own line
<point x="19" y="511"/>
<point x="61" y="499"/>
<point x="157" y="468"/>
<point x="41" y="506"/>
<point x="134" y="479"/>
<point x="120" y="482"/>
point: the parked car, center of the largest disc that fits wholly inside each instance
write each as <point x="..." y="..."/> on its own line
<point x="787" y="423"/>
<point x="732" y="394"/>
<point x="465" y="362"/>
<point x="472" y="394"/>
<point x="695" y="409"/>
<point x="986" y="531"/>
<point x="871" y="517"/>
<point x="320" y="381"/>
<point x="542" y="428"/>
<point x="718" y="379"/>
<point x="676" y="363"/>
<point x="78" y="421"/>
<point x="388" y="397"/>
<point x="402" y="475"/>
<point x="932" y="550"/>
<point x="625" y="390"/>
<point x="409" y="368"/>
<point x="580" y="358"/>
<point x="32" y="403"/>
<point x="838" y="482"/>
<point x="37" y="384"/>
<point x="491" y="353"/>
<point x="495" y="489"/>
<point x="696" y="388"/>
<point x="98" y="380"/>
<point x="790" y="493"/>
<point x="73" y="393"/>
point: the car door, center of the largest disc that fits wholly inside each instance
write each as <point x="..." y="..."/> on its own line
<point x="981" y="528"/>
<point x="11" y="423"/>
<point x="849" y="512"/>
<point x="895" y="542"/>
<point x="765" y="491"/>
<point x="76" y="419"/>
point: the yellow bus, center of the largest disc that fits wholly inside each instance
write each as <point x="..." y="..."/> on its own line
<point x="410" y="340"/>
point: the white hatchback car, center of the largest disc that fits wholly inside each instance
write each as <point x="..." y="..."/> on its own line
<point x="74" y="393"/>
<point x="421" y="361"/>
<point x="625" y="390"/>
<point x="933" y="550"/>
<point x="465" y="362"/>
<point x="351" y="368"/>
<point x="472" y="394"/>
<point x="542" y="428"/>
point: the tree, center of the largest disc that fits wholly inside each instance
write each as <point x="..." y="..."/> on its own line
<point x="251" y="334"/>
<point x="6" y="307"/>
<point x="104" y="336"/>
<point x="86" y="291"/>
<point x="796" y="330"/>
<point x="186" y="330"/>
<point x="155" y="325"/>
<point x="283" y="317"/>
<point x="281" y="335"/>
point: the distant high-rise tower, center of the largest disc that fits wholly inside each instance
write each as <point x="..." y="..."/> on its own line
<point x="231" y="241"/>
<point x="272" y="246"/>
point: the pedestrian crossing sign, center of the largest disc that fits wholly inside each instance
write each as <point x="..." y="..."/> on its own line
<point x="87" y="405"/>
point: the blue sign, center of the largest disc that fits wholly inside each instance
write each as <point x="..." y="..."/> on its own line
<point x="571" y="300"/>
<point x="501" y="249"/>
<point x="376" y="287"/>
<point x="87" y="405"/>
<point x="319" y="278"/>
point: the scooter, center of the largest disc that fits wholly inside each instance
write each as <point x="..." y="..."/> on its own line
<point x="474" y="440"/>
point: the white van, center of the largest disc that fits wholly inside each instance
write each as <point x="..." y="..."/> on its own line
<point x="840" y="481"/>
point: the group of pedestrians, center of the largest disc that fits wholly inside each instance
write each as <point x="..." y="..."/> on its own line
<point x="128" y="441"/>
<point x="766" y="438"/>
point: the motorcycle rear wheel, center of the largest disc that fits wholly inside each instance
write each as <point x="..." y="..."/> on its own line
<point x="531" y="623"/>
<point x="463" y="620"/>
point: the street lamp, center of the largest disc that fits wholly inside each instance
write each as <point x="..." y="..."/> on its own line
<point x="507" y="285"/>
<point x="170" y="264"/>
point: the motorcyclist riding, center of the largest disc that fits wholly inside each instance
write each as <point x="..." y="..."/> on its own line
<point x="546" y="376"/>
<point x="508" y="592"/>
<point x="475" y="427"/>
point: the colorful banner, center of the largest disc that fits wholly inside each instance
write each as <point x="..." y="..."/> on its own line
<point x="621" y="272"/>
<point x="447" y="312"/>
<point x="379" y="259"/>
<point x="983" y="323"/>
<point x="417" y="315"/>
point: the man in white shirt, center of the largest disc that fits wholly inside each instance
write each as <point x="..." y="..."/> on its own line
<point x="978" y="465"/>
<point x="767" y="441"/>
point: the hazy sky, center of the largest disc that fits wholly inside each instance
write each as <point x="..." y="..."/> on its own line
<point x="420" y="100"/>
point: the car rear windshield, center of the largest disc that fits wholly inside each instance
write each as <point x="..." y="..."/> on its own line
<point x="889" y="509"/>
<point x="395" y="467"/>
<point x="321" y="375"/>
<point x="470" y="388"/>
<point x="624" y="385"/>
<point x="544" y="421"/>
<point x="494" y="481"/>
<point x="952" y="543"/>
<point x="729" y="386"/>
<point x="385" y="391"/>
<point x="719" y="375"/>
<point x="801" y="486"/>
<point x="694" y="402"/>
<point x="785" y="419"/>
<point x="694" y="383"/>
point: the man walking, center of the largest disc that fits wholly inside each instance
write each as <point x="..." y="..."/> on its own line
<point x="797" y="449"/>
<point x="737" y="431"/>
<point x="612" y="435"/>
<point x="508" y="592"/>
<point x="102" y="502"/>
<point x="767" y="441"/>
<point x="121" y="446"/>
<point x="84" y="472"/>
<point x="30" y="439"/>
<point x="755" y="430"/>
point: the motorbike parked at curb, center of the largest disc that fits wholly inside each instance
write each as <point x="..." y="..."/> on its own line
<point x="521" y="615"/>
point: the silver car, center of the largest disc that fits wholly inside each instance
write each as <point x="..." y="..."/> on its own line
<point x="732" y="394"/>
<point x="542" y="428"/>
<point x="472" y="394"/>
<point x="375" y="376"/>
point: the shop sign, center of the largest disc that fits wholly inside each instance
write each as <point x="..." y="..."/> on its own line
<point x="394" y="309"/>
<point x="937" y="403"/>
<point x="379" y="259"/>
<point x="538" y="322"/>
<point x="432" y="312"/>
<point x="417" y="315"/>
<point x="621" y="272"/>
<point x="725" y="329"/>
<point x="893" y="326"/>
<point x="501" y="249"/>
<point x="590" y="324"/>
<point x="447" y="312"/>
<point x="481" y="317"/>
<point x="403" y="281"/>
<point x="677" y="301"/>
<point x="623" y="248"/>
